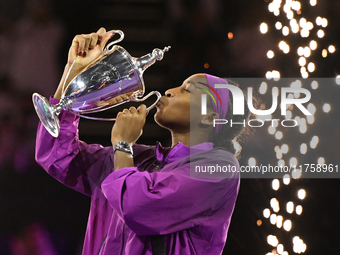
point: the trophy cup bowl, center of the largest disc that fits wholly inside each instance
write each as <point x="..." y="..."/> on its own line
<point x="112" y="79"/>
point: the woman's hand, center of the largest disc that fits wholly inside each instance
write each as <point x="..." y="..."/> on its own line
<point x="129" y="125"/>
<point x="88" y="47"/>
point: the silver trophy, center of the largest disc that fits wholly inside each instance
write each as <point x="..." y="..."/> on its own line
<point x="112" y="79"/>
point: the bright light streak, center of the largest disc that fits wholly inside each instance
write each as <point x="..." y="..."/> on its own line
<point x="298" y="245"/>
<point x="278" y="135"/>
<point x="293" y="22"/>
<point x="314" y="142"/>
<point x="286" y="179"/>
<point x="279" y="220"/>
<point x="331" y="49"/>
<point x="302" y="61"/>
<point x="263" y="28"/>
<point x="307" y="52"/>
<point x="278" y="25"/>
<point x="311" y="67"/>
<point x="281" y="162"/>
<point x="311" y="108"/>
<point x="290" y="14"/>
<point x="296" y="239"/>
<point x="309" y="25"/>
<point x="276" y="75"/>
<point x="284" y="47"/>
<point x="303" y="148"/>
<point x="284" y="148"/>
<point x="290" y="207"/>
<point x="326" y="108"/>
<point x="324" y="53"/>
<point x="321" y="161"/>
<point x="318" y="21"/>
<point x="314" y="84"/>
<point x="279" y="248"/>
<point x="286" y="7"/>
<point x="287" y="225"/>
<point x="324" y="22"/>
<point x="277" y="12"/>
<point x="279" y="154"/>
<point x="288" y="115"/>
<point x="298" y="210"/>
<point x="270" y="54"/>
<point x="337" y="79"/>
<point x="310" y="119"/>
<point x="274" y="203"/>
<point x="301" y="194"/>
<point x="271" y="7"/>
<point x="275" y="184"/>
<point x="263" y="88"/>
<point x="304" y="75"/>
<point x="303" y="22"/>
<point x="320" y="33"/>
<point x="296" y="5"/>
<point x="266" y="213"/>
<point x="285" y="31"/>
<point x="293" y="161"/>
<point x="252" y="161"/>
<point x="271" y="130"/>
<point x="313" y="45"/>
<point x="294" y="26"/>
<point x="296" y="173"/>
<point x="272" y="240"/>
<point x="272" y="219"/>
<point x="304" y="33"/>
<point x="303" y="126"/>
<point x="312" y="2"/>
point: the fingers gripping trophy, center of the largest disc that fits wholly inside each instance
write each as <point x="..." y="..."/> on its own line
<point x="98" y="78"/>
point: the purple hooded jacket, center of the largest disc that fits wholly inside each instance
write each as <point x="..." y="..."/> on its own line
<point x="155" y="197"/>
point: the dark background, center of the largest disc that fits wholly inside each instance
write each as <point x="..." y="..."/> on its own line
<point x="33" y="204"/>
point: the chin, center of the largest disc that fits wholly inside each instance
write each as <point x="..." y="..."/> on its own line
<point x="158" y="119"/>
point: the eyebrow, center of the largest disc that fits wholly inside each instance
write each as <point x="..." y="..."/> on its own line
<point x="193" y="83"/>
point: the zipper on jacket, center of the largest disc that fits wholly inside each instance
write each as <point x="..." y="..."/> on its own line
<point x="161" y="164"/>
<point x="121" y="252"/>
<point x="101" y="246"/>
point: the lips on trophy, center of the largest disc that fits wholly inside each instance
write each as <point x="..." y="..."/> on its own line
<point x="112" y="79"/>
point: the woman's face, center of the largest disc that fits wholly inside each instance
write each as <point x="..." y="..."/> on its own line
<point x="173" y="110"/>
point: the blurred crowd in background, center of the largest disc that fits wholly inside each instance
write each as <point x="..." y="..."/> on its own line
<point x="212" y="35"/>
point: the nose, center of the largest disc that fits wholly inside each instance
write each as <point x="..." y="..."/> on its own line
<point x="169" y="93"/>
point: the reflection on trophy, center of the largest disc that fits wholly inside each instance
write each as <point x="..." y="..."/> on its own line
<point x="112" y="79"/>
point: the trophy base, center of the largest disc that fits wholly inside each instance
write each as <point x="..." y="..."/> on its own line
<point x="46" y="114"/>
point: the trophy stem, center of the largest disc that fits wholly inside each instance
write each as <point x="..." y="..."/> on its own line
<point x="47" y="113"/>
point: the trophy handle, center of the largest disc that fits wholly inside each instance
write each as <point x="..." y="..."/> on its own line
<point x="134" y="98"/>
<point x="107" y="48"/>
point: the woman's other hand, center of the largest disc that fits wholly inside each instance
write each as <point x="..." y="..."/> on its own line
<point x="88" y="46"/>
<point x="129" y="125"/>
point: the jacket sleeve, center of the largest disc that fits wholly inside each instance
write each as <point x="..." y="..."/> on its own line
<point x="72" y="162"/>
<point x="168" y="201"/>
